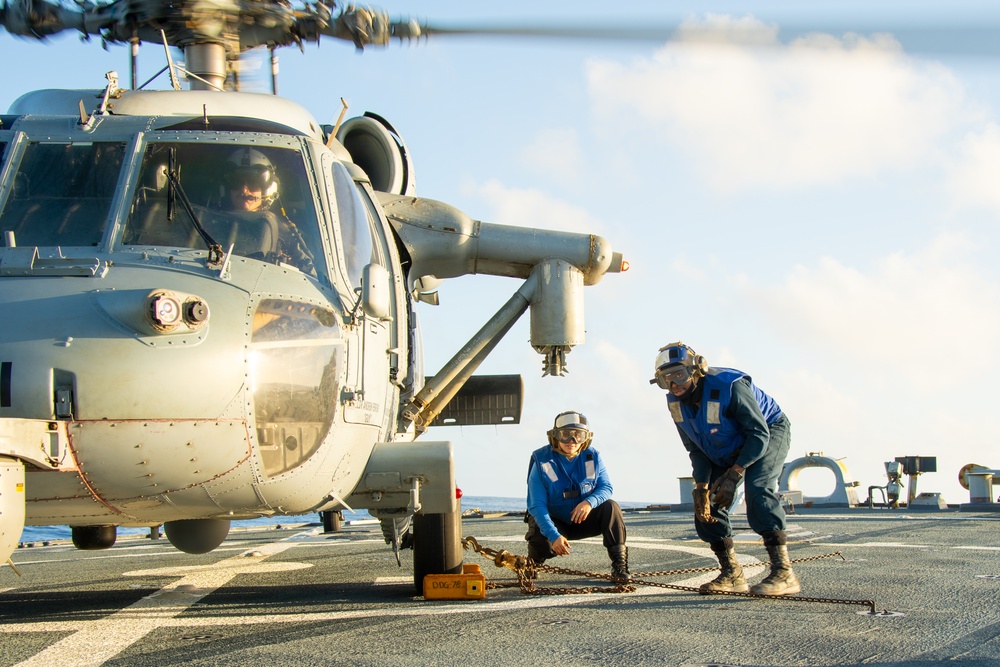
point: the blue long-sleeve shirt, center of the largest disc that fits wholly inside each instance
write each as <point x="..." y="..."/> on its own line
<point x="552" y="475"/>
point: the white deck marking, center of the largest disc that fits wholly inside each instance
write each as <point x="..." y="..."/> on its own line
<point x="98" y="631"/>
<point x="89" y="645"/>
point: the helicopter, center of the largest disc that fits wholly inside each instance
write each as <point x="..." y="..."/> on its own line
<point x="208" y="296"/>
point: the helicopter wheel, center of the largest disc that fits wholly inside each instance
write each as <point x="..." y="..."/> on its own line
<point x="92" y="538"/>
<point x="437" y="545"/>
<point x="331" y="521"/>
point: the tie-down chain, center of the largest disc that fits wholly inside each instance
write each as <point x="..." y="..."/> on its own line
<point x="526" y="570"/>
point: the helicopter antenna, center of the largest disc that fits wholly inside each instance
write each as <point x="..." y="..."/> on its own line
<point x="150" y="79"/>
<point x="336" y="127"/>
<point x="170" y="63"/>
<point x="274" y="71"/>
<point x="135" y="60"/>
<point x="84" y="116"/>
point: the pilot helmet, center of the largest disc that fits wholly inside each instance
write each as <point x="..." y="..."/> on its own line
<point x="249" y="167"/>
<point x="676" y="363"/>
<point x="570" y="425"/>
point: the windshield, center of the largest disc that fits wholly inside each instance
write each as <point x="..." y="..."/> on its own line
<point x="62" y="193"/>
<point x="255" y="199"/>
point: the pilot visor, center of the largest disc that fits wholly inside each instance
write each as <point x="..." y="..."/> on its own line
<point x="254" y="178"/>
<point x="672" y="375"/>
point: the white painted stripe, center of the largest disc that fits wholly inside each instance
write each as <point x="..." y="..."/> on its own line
<point x="417" y="608"/>
<point x="89" y="645"/>
<point x="386" y="581"/>
<point x="173" y="552"/>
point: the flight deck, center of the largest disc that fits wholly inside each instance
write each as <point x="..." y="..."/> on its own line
<point x="297" y="595"/>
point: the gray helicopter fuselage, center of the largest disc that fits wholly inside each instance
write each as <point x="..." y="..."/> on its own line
<point x="270" y="395"/>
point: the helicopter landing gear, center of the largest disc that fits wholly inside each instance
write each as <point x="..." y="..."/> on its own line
<point x="331" y="521"/>
<point x="437" y="545"/>
<point x="94" y="538"/>
<point x="11" y="506"/>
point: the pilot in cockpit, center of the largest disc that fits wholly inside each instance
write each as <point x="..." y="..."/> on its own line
<point x="251" y="186"/>
<point x="250" y="183"/>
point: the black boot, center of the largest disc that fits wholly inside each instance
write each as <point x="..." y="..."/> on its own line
<point x="731" y="577"/>
<point x="538" y="553"/>
<point x="781" y="580"/>
<point x="619" y="563"/>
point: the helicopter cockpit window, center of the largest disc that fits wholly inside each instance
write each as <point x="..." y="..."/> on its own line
<point x="353" y="221"/>
<point x="61" y="193"/>
<point x="255" y="199"/>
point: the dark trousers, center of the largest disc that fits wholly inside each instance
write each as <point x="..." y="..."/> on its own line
<point x="760" y="490"/>
<point x="606" y="519"/>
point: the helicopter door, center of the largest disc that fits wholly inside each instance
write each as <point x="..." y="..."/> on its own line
<point x="368" y="389"/>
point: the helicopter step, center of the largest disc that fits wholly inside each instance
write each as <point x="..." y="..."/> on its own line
<point x="11" y="505"/>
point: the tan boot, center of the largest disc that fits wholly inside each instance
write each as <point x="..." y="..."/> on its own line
<point x="781" y="580"/>
<point x="731" y="577"/>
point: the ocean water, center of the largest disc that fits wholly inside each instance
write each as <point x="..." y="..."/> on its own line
<point x="484" y="503"/>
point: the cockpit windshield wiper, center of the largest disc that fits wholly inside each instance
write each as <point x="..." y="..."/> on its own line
<point x="215" y="253"/>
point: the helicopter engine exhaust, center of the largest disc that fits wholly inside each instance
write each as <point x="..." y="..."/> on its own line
<point x="377" y="148"/>
<point x="196" y="536"/>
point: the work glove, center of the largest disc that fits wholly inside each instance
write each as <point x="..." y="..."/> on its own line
<point x="724" y="488"/>
<point x="702" y="513"/>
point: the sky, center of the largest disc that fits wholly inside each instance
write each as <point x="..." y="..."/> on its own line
<point x="822" y="214"/>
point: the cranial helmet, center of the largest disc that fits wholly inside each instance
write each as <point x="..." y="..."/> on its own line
<point x="248" y="166"/>
<point x="570" y="423"/>
<point x="677" y="357"/>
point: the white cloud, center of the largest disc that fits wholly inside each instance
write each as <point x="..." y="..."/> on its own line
<point x="974" y="178"/>
<point x="820" y="110"/>
<point x="555" y="153"/>
<point x="907" y="314"/>
<point x="524" y="207"/>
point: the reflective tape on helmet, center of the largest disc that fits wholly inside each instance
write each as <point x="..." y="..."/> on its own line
<point x="570" y="420"/>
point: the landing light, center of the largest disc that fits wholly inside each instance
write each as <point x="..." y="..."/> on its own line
<point x="166" y="310"/>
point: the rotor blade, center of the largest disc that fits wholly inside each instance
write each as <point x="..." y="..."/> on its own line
<point x="981" y="39"/>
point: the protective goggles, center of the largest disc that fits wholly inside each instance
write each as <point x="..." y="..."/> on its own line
<point x="577" y="436"/>
<point x="672" y="375"/>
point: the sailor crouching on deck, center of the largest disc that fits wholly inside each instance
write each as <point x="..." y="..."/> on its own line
<point x="569" y="497"/>
<point x="733" y="432"/>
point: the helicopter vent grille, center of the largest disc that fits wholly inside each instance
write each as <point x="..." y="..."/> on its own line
<point x="484" y="399"/>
